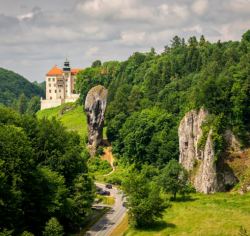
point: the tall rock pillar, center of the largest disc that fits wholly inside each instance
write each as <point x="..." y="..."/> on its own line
<point x="95" y="106"/>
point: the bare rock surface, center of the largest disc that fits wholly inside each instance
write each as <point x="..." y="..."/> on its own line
<point x="208" y="175"/>
<point x="95" y="106"/>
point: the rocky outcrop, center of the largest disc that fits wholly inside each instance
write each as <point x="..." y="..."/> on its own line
<point x="95" y="105"/>
<point x="208" y="175"/>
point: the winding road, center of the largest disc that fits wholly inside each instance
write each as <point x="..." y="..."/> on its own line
<point x="112" y="218"/>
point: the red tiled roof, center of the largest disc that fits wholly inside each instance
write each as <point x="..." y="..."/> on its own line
<point x="74" y="71"/>
<point x="55" y="71"/>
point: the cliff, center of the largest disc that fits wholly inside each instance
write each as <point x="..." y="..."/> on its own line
<point x="95" y="105"/>
<point x="208" y="175"/>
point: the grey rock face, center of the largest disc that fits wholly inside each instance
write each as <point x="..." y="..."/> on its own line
<point x="95" y="106"/>
<point x="208" y="175"/>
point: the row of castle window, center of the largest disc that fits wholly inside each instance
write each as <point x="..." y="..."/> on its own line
<point x="53" y="79"/>
<point x="56" y="91"/>
<point x="51" y="98"/>
<point x="58" y="85"/>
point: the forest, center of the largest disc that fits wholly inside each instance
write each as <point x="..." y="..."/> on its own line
<point x="19" y="93"/>
<point x="44" y="177"/>
<point x="149" y="93"/>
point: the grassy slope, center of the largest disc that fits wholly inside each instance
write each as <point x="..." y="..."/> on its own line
<point x="220" y="214"/>
<point x="74" y="119"/>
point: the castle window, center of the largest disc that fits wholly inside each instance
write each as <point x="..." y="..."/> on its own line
<point x="55" y="91"/>
<point x="66" y="90"/>
<point x="48" y="79"/>
<point x="50" y="98"/>
<point x="49" y="91"/>
<point x="53" y="79"/>
<point x="49" y="85"/>
<point x="59" y="92"/>
<point x="60" y="97"/>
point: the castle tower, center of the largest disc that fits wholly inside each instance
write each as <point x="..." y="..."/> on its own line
<point x="67" y="77"/>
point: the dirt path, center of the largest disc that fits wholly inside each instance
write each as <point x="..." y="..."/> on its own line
<point x="108" y="156"/>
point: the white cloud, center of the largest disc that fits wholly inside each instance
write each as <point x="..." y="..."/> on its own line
<point x="92" y="51"/>
<point x="26" y="16"/>
<point x="181" y="11"/>
<point x="241" y="6"/>
<point x="42" y="32"/>
<point x="195" y="29"/>
<point x="200" y="6"/>
<point x="132" y="37"/>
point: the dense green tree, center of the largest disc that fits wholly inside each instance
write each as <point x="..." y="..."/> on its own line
<point x="22" y="103"/>
<point x="174" y="179"/>
<point x="96" y="63"/>
<point x="33" y="105"/>
<point x="145" y="205"/>
<point x="53" y="228"/>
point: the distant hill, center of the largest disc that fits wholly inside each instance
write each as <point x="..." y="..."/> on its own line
<point x="12" y="85"/>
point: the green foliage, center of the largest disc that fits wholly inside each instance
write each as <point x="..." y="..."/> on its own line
<point x="33" y="105"/>
<point x="186" y="76"/>
<point x="96" y="63"/>
<point x="174" y="179"/>
<point x="144" y="137"/>
<point x="90" y="77"/>
<point x="26" y="233"/>
<point x="12" y="85"/>
<point x="41" y="165"/>
<point x="22" y="104"/>
<point x="98" y="166"/>
<point x="53" y="228"/>
<point x="145" y="204"/>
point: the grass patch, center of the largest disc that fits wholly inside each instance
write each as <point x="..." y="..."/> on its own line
<point x="71" y="115"/>
<point x="121" y="228"/>
<point x="107" y="200"/>
<point x="221" y="214"/>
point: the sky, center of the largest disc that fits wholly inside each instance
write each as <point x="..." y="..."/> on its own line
<point x="36" y="35"/>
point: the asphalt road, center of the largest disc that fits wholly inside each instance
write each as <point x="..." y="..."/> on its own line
<point x="112" y="218"/>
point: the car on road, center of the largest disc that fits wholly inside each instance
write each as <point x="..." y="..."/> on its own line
<point x="104" y="192"/>
<point x="109" y="186"/>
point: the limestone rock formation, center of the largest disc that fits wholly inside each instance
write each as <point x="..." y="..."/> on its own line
<point x="207" y="174"/>
<point x="95" y="105"/>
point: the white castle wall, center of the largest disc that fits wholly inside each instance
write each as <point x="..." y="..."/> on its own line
<point x="45" y="104"/>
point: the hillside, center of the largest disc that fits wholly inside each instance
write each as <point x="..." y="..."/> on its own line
<point x="12" y="85"/>
<point x="71" y="116"/>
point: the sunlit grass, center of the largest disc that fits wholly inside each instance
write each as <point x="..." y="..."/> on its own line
<point x="219" y="214"/>
<point x="73" y="119"/>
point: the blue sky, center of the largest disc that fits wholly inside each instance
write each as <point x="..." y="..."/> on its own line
<point x="35" y="35"/>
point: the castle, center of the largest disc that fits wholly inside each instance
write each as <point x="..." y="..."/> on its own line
<point x="60" y="86"/>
